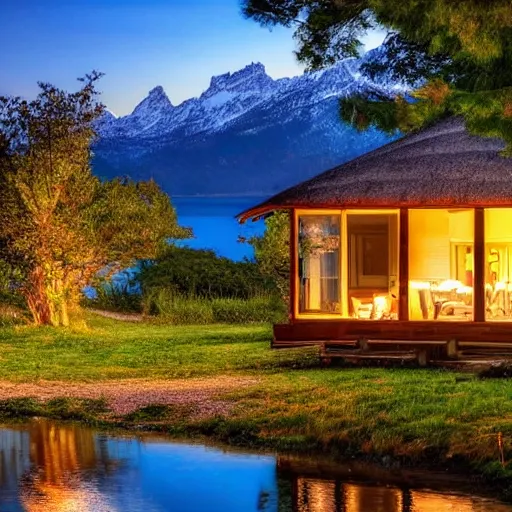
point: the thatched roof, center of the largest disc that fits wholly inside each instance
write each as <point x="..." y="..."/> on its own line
<point x="440" y="166"/>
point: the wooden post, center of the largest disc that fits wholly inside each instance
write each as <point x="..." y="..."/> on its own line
<point x="479" y="267"/>
<point x="293" y="265"/>
<point x="403" y="266"/>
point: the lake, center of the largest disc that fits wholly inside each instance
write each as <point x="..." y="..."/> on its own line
<point x="215" y="227"/>
<point x="53" y="467"/>
<point x="213" y="221"/>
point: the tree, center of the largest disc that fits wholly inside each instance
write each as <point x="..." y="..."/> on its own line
<point x="272" y="251"/>
<point x="59" y="224"/>
<point x="455" y="54"/>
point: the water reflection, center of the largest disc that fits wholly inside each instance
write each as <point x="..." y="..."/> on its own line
<point x="67" y="468"/>
<point x="65" y="463"/>
<point x="319" y="495"/>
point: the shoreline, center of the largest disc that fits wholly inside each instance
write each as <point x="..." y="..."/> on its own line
<point x="223" y="383"/>
<point x="316" y="466"/>
<point x="216" y="425"/>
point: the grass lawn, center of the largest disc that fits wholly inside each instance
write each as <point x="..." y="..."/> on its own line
<point x="413" y="415"/>
<point x="111" y="349"/>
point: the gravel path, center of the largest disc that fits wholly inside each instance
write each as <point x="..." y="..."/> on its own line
<point x="124" y="396"/>
<point x="125" y="317"/>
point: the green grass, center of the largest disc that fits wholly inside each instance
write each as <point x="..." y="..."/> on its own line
<point x="416" y="416"/>
<point x="179" y="309"/>
<point x="113" y="350"/>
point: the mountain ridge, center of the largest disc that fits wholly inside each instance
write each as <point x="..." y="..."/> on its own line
<point x="246" y="133"/>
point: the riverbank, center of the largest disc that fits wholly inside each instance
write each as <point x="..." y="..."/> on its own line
<point x="224" y="383"/>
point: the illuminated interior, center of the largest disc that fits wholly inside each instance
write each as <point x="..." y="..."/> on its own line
<point x="498" y="262"/>
<point x="441" y="264"/>
<point x="348" y="264"/>
<point x="319" y="264"/>
<point x="372" y="243"/>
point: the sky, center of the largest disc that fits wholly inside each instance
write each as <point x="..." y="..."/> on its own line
<point x="138" y="44"/>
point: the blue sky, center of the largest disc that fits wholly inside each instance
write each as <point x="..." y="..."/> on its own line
<point x="138" y="44"/>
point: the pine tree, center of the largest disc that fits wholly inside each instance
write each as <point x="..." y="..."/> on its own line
<point x="455" y="54"/>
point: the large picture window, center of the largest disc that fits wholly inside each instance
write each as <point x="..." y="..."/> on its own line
<point x="441" y="264"/>
<point x="347" y="264"/>
<point x="498" y="264"/>
<point x="319" y="264"/>
<point x="372" y="287"/>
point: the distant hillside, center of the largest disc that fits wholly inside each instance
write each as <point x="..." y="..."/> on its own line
<point x="246" y="134"/>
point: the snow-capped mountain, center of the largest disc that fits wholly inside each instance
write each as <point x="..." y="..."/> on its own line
<point x="246" y="134"/>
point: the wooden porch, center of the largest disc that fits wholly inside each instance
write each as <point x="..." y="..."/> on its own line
<point x="424" y="342"/>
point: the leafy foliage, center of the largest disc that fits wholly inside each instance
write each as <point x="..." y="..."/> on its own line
<point x="456" y="55"/>
<point x="59" y="224"/>
<point x="272" y="251"/>
<point x="114" y="297"/>
<point x="202" y="273"/>
<point x="189" y="286"/>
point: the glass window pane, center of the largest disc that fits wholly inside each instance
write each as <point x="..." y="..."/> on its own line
<point x="372" y="244"/>
<point x="498" y="263"/>
<point x="319" y="264"/>
<point x="441" y="264"/>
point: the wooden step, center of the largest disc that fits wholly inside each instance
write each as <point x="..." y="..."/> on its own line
<point x="407" y="342"/>
<point x="403" y="356"/>
<point x="373" y="353"/>
<point x="486" y="344"/>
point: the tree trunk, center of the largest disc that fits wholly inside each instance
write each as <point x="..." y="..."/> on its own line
<point x="58" y="304"/>
<point x="48" y="303"/>
<point x="38" y="301"/>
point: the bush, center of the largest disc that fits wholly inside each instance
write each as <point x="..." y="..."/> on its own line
<point x="502" y="370"/>
<point x="201" y="273"/>
<point x="115" y="298"/>
<point x="12" y="315"/>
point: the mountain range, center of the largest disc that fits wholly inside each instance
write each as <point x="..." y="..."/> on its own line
<point x="247" y="134"/>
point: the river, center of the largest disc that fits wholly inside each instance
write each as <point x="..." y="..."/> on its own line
<point x="52" y="467"/>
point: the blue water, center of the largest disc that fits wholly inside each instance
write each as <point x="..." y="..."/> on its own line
<point x="214" y="226"/>
<point x="68" y="468"/>
<point x="213" y="222"/>
<point x="46" y="466"/>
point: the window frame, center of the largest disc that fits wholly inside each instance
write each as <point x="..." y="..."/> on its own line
<point x="344" y="271"/>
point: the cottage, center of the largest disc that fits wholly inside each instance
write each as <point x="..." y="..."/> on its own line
<point x="406" y="250"/>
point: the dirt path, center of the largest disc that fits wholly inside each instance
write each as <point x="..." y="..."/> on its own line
<point x="124" y="396"/>
<point x="125" y="317"/>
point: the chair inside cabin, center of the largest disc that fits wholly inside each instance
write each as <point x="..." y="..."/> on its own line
<point x="362" y="309"/>
<point x="380" y="307"/>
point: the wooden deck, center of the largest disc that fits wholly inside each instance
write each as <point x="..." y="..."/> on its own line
<point x="421" y="341"/>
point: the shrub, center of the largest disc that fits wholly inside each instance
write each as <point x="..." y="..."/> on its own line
<point x="11" y="315"/>
<point x="272" y="251"/>
<point x="202" y="273"/>
<point x="502" y="370"/>
<point x="112" y="297"/>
